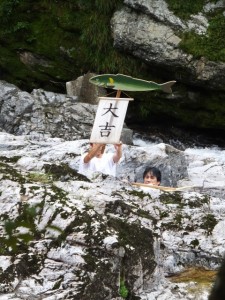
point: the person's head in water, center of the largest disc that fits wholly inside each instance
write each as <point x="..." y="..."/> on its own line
<point x="152" y="176"/>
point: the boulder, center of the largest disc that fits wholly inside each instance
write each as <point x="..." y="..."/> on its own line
<point x="84" y="90"/>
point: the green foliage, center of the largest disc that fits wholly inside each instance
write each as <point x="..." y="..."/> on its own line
<point x="172" y="198"/>
<point x="63" y="172"/>
<point x="39" y="177"/>
<point x="140" y="194"/>
<point x="6" y="9"/>
<point x="12" y="159"/>
<point x="208" y="223"/>
<point x="178" y="219"/>
<point x="184" y="9"/>
<point x="144" y="112"/>
<point x="102" y="6"/>
<point x="14" y="239"/>
<point x="210" y="45"/>
<point x="123" y="289"/>
<point x="176" y="224"/>
<point x="195" y="243"/>
<point x="96" y="40"/>
<point x="198" y="201"/>
<point x="163" y="214"/>
<point x="20" y="26"/>
<point x="10" y="173"/>
<point x="72" y="37"/>
<point x="58" y="283"/>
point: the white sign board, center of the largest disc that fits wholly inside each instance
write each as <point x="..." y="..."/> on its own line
<point x="109" y="120"/>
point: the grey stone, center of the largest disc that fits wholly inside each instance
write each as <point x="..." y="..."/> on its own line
<point x="84" y="90"/>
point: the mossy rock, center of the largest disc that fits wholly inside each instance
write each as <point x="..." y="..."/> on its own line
<point x="63" y="172"/>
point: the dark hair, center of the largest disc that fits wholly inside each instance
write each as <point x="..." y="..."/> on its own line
<point x="154" y="171"/>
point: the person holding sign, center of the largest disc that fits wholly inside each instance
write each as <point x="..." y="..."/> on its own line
<point x="96" y="160"/>
<point x="152" y="176"/>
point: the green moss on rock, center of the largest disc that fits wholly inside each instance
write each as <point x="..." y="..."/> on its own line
<point x="211" y="45"/>
<point x="184" y="9"/>
<point x="138" y="242"/>
<point x="208" y="223"/>
<point x="64" y="173"/>
<point x="62" y="39"/>
<point x="172" y="198"/>
<point x="10" y="173"/>
<point x="12" y="159"/>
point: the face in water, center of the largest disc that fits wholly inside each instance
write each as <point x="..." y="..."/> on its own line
<point x="151" y="179"/>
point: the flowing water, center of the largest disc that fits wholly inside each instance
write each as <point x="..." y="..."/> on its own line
<point x="190" y="142"/>
<point x="178" y="138"/>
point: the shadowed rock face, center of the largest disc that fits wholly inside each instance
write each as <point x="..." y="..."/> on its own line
<point x="218" y="290"/>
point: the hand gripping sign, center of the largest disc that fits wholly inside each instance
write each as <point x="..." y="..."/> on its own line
<point x="109" y="120"/>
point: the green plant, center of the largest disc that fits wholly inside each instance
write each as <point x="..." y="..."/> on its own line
<point x="184" y="9"/>
<point x="123" y="289"/>
<point x="39" y="177"/>
<point x="16" y="239"/>
<point x="72" y="37"/>
<point x="21" y="26"/>
<point x="6" y="8"/>
<point x="96" y="39"/>
<point x="211" y="45"/>
<point x="144" y="110"/>
<point x="163" y="214"/>
<point x="208" y="223"/>
<point x="195" y="243"/>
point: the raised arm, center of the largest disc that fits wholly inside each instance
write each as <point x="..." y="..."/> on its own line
<point x="118" y="154"/>
<point x="96" y="150"/>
